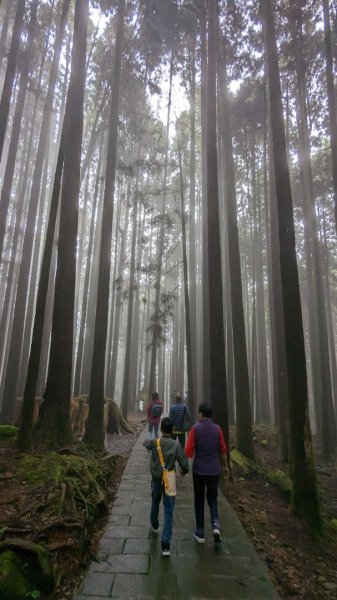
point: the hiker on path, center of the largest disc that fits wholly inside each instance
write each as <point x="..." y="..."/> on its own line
<point x="164" y="451"/>
<point x="178" y="413"/>
<point x="154" y="412"/>
<point x="206" y="444"/>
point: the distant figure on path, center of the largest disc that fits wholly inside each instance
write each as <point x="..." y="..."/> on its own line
<point x="177" y="414"/>
<point x="206" y="444"/>
<point x="154" y="412"/>
<point x="171" y="452"/>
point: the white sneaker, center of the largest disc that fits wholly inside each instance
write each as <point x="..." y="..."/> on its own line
<point x="216" y="533"/>
<point x="199" y="538"/>
<point x="165" y="549"/>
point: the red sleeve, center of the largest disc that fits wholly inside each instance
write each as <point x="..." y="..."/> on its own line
<point x="223" y="448"/>
<point x="149" y="406"/>
<point x="190" y="444"/>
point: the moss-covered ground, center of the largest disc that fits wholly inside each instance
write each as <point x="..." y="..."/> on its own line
<point x="58" y="501"/>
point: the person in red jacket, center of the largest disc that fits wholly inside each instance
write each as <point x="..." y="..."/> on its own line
<point x="207" y="447"/>
<point x="154" y="412"/>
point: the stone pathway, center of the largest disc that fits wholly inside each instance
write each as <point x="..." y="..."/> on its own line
<point x="129" y="564"/>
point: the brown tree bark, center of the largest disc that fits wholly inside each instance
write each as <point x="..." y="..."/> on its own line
<point x="304" y="499"/>
<point x="218" y="384"/>
<point x="94" y="429"/>
<point x="54" y="428"/>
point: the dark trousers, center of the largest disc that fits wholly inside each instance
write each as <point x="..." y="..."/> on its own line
<point x="155" y="427"/>
<point x="208" y="483"/>
<point x="181" y="438"/>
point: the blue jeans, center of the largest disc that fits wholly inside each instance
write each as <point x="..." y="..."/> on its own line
<point x="208" y="483"/>
<point x="157" y="492"/>
<point x="154" y="426"/>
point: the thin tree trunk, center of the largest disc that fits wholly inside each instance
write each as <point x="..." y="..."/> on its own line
<point x="156" y="324"/>
<point x="190" y="362"/>
<point x="242" y="392"/>
<point x="94" y="428"/>
<point x="10" y="74"/>
<point x="331" y="98"/>
<point x="14" y="141"/>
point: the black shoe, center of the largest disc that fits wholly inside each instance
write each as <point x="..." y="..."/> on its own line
<point x="165" y="549"/>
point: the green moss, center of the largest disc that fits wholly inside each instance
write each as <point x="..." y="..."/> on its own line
<point x="333" y="524"/>
<point x="281" y="480"/>
<point x="53" y="467"/>
<point x="25" y="565"/>
<point x="14" y="584"/>
<point x="245" y="465"/>
<point x="8" y="432"/>
<point x="81" y="477"/>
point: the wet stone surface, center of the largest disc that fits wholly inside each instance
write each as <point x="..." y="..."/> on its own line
<point x="129" y="564"/>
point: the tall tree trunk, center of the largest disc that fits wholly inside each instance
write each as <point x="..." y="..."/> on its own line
<point x="190" y="362"/>
<point x="205" y="292"/>
<point x="218" y="384"/>
<point x="331" y="98"/>
<point x="125" y="400"/>
<point x="84" y="311"/>
<point x="242" y="392"/>
<point x="156" y="326"/>
<point x="277" y="341"/>
<point x="94" y="429"/>
<point x="14" y="355"/>
<point x="14" y="141"/>
<point x="54" y="428"/>
<point x="118" y="301"/>
<point x="192" y="244"/>
<point x="262" y="366"/>
<point x="10" y="74"/>
<point x="324" y="403"/>
<point x="304" y="500"/>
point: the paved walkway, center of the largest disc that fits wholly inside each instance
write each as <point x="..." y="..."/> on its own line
<point x="129" y="564"/>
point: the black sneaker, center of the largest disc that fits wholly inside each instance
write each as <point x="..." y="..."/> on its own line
<point x="216" y="533"/>
<point x="165" y="549"/>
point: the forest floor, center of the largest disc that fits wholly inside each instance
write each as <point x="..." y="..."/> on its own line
<point x="302" y="567"/>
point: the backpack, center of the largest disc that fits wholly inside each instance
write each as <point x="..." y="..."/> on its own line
<point x="156" y="410"/>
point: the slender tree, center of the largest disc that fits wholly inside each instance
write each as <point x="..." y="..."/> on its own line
<point x="331" y="98"/>
<point x="10" y="72"/>
<point x="94" y="429"/>
<point x="304" y="499"/>
<point x="218" y="391"/>
<point x="242" y="391"/>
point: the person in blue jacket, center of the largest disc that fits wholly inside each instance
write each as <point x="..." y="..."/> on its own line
<point x="177" y="413"/>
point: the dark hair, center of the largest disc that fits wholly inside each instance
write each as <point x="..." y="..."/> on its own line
<point x="154" y="396"/>
<point x="166" y="425"/>
<point x="177" y="397"/>
<point x="205" y="409"/>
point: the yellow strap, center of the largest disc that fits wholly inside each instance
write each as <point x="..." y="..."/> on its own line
<point x="161" y="458"/>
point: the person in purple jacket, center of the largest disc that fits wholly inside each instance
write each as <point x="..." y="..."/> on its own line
<point x="154" y="412"/>
<point x="207" y="446"/>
